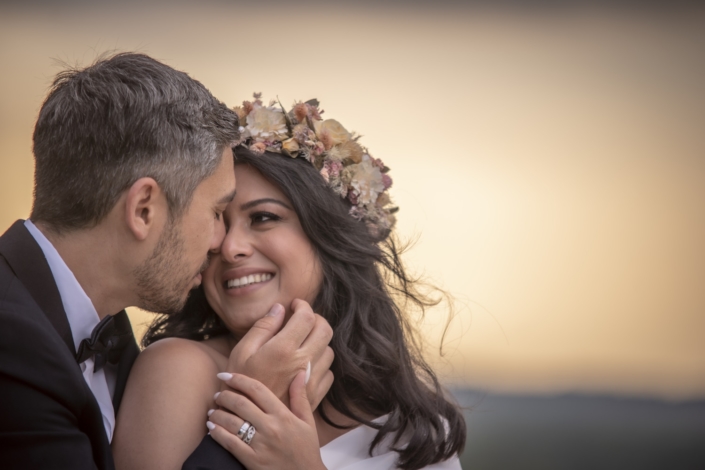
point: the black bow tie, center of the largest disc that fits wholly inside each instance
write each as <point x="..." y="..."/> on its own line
<point x="107" y="341"/>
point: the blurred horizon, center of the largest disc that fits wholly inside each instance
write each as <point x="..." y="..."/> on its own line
<point x="548" y="157"/>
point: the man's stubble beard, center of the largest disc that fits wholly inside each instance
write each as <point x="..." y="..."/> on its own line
<point x="163" y="279"/>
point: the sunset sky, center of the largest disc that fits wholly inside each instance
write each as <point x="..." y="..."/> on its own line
<point x="550" y="162"/>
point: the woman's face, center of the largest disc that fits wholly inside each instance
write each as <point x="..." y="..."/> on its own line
<point x="265" y="258"/>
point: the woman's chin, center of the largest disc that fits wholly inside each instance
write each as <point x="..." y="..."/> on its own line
<point x="246" y="314"/>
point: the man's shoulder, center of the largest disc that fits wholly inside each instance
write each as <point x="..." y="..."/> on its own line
<point x="7" y="278"/>
<point x="30" y="348"/>
<point x="15" y="299"/>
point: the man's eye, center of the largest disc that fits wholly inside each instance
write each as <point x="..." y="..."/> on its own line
<point x="261" y="217"/>
<point x="218" y="216"/>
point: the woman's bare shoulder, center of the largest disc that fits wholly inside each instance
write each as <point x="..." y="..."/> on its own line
<point x="179" y="351"/>
<point x="164" y="410"/>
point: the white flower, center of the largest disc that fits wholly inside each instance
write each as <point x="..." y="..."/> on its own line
<point x="367" y="181"/>
<point x="266" y="124"/>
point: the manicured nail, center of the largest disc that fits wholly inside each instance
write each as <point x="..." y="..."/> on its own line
<point x="225" y="376"/>
<point x="308" y="373"/>
<point x="215" y="397"/>
<point x="210" y="412"/>
<point x="210" y="425"/>
<point x="275" y="310"/>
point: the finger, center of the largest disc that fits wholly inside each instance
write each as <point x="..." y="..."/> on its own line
<point x="228" y="421"/>
<point x="322" y="363"/>
<point x="299" y="326"/>
<point x="319" y="367"/>
<point x="262" y="331"/>
<point x="319" y="337"/>
<point x="241" y="405"/>
<point x="316" y="396"/>
<point x="243" y="452"/>
<point x="298" y="399"/>
<point x="255" y="401"/>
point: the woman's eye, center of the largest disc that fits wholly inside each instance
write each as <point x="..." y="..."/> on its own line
<point x="261" y="217"/>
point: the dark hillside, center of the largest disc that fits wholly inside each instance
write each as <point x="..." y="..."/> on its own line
<point x="581" y="432"/>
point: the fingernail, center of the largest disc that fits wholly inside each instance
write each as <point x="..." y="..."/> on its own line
<point x="210" y="412"/>
<point x="210" y="425"/>
<point x="215" y="397"/>
<point x="308" y="373"/>
<point x="225" y="376"/>
<point x="275" y="310"/>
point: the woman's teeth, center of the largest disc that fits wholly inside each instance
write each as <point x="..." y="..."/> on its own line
<point x="247" y="280"/>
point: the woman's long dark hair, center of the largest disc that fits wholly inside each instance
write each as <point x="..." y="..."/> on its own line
<point x="378" y="366"/>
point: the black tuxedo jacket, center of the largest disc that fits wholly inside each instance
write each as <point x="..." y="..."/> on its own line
<point x="49" y="418"/>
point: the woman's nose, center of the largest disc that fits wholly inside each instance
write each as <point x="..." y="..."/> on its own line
<point x="236" y="245"/>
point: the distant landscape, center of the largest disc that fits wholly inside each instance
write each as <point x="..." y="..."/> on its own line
<point x="581" y="432"/>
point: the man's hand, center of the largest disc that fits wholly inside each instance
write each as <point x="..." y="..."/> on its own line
<point x="275" y="357"/>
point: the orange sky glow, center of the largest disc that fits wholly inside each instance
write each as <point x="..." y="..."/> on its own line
<point x="552" y="165"/>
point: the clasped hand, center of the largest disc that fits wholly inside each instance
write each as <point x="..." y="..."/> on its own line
<point x="268" y="372"/>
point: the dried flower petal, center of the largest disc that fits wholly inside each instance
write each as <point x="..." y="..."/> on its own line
<point x="386" y="181"/>
<point x="331" y="133"/>
<point x="266" y="124"/>
<point x="291" y="147"/>
<point x="258" y="147"/>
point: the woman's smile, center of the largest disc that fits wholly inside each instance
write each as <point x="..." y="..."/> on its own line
<point x="243" y="281"/>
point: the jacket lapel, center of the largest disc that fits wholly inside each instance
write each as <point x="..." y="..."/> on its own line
<point x="27" y="261"/>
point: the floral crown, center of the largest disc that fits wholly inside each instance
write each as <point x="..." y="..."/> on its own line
<point x="344" y="164"/>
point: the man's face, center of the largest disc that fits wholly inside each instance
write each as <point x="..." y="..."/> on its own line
<point x="174" y="268"/>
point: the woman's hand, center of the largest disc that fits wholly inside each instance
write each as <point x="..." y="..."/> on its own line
<point x="274" y="355"/>
<point x="283" y="438"/>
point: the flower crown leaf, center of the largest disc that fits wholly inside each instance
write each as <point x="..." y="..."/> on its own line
<point x="345" y="165"/>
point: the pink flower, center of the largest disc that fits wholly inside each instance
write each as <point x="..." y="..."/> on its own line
<point x="258" y="147"/>
<point x="352" y="197"/>
<point x="333" y="167"/>
<point x="386" y="181"/>
<point x="303" y="110"/>
<point x="319" y="149"/>
<point x="300" y="112"/>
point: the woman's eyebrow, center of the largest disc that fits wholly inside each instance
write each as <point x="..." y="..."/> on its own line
<point x="251" y="204"/>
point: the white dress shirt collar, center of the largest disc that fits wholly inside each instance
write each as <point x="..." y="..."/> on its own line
<point x="79" y="309"/>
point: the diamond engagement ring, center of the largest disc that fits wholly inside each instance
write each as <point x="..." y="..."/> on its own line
<point x="242" y="433"/>
<point x="250" y="434"/>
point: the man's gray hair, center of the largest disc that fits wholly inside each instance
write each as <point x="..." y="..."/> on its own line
<point x="125" y="117"/>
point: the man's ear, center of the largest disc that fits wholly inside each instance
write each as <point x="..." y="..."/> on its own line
<point x="144" y="201"/>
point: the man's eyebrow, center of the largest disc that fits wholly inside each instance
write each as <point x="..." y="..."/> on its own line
<point x="227" y="199"/>
<point x="251" y="204"/>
